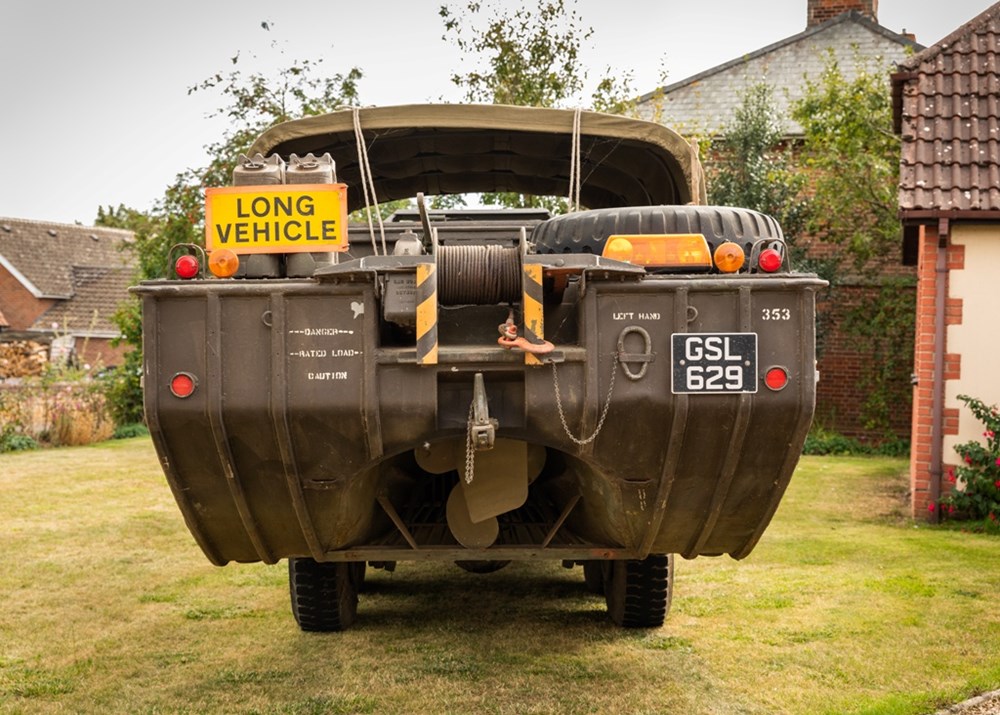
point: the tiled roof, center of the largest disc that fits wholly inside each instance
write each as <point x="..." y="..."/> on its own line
<point x="949" y="118"/>
<point x="97" y="294"/>
<point x="42" y="255"/>
<point x="81" y="267"/>
<point x="703" y="103"/>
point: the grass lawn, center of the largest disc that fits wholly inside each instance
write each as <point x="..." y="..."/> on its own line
<point x="107" y="605"/>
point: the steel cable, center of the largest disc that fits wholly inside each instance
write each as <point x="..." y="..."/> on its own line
<point x="478" y="275"/>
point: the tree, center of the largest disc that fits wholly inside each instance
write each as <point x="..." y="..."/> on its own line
<point x="852" y="158"/>
<point x="751" y="167"/>
<point x="529" y="57"/>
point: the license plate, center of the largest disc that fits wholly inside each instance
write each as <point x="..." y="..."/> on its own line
<point x="714" y="363"/>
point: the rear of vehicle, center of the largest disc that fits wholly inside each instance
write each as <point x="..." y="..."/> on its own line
<point x="607" y="387"/>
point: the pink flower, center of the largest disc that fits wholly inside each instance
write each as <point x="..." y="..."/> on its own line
<point x="997" y="483"/>
<point x="951" y="508"/>
<point x="968" y="459"/>
<point x="998" y="461"/>
<point x="930" y="507"/>
<point x="989" y="433"/>
<point x="951" y="476"/>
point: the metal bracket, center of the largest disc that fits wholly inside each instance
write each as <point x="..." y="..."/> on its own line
<point x="644" y="358"/>
<point x="482" y="429"/>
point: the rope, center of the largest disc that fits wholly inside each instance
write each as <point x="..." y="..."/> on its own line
<point x="574" y="164"/>
<point x="366" y="181"/>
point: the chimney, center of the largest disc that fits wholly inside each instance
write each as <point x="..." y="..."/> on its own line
<point x="823" y="10"/>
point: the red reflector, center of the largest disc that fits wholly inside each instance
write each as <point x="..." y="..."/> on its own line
<point x="186" y="267"/>
<point x="182" y="385"/>
<point x="769" y="260"/>
<point x="776" y="378"/>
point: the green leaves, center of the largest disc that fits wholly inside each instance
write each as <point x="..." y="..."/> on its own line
<point x="529" y="57"/>
<point x="976" y="490"/>
<point x="752" y="167"/>
<point x="852" y="157"/>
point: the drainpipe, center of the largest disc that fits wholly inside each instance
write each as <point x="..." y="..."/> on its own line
<point x="937" y="426"/>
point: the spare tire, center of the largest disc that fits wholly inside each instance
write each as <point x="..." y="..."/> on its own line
<point x="588" y="231"/>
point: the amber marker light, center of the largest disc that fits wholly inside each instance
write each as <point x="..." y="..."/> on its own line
<point x="223" y="263"/>
<point x="671" y="250"/>
<point x="619" y="249"/>
<point x="729" y="257"/>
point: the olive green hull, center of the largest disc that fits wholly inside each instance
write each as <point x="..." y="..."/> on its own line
<point x="299" y="438"/>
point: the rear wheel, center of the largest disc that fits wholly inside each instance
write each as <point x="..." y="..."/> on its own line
<point x="638" y="593"/>
<point x="324" y="595"/>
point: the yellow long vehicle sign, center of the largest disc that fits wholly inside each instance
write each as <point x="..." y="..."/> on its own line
<point x="277" y="219"/>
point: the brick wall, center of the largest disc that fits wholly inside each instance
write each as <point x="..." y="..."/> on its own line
<point x="820" y="11"/>
<point x="843" y="366"/>
<point x="19" y="306"/>
<point x="99" y="351"/>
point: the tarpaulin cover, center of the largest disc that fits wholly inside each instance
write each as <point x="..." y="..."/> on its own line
<point x="469" y="148"/>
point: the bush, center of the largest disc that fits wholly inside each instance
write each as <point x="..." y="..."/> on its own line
<point x="136" y="429"/>
<point x="78" y="415"/>
<point x="12" y="439"/>
<point x="975" y="492"/>
<point x="822" y="441"/>
<point x="123" y="390"/>
<point x="57" y="409"/>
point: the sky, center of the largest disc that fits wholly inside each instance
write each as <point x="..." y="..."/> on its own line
<point x="94" y="108"/>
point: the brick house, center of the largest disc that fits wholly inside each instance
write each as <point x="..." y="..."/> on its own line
<point x="947" y="109"/>
<point x="62" y="283"/>
<point x="704" y="103"/>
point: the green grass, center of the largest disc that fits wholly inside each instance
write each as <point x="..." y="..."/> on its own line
<point x="845" y="607"/>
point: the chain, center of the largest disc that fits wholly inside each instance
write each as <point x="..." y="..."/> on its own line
<point x="604" y="411"/>
<point x="470" y="448"/>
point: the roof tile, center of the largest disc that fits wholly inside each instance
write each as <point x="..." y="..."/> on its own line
<point x="83" y="268"/>
<point x="704" y="103"/>
<point x="950" y="121"/>
<point x="44" y="253"/>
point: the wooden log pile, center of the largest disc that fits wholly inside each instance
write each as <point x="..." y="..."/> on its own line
<point x="23" y="358"/>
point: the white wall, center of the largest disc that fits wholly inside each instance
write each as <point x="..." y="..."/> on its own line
<point x="977" y="339"/>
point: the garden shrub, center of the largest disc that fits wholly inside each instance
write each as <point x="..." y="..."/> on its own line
<point x="136" y="429"/>
<point x="975" y="492"/>
<point x="822" y="441"/>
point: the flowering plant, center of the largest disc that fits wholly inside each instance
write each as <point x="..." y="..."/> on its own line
<point x="976" y="490"/>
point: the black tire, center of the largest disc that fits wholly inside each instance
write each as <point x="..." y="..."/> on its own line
<point x="638" y="593"/>
<point x="593" y="576"/>
<point x="481" y="566"/>
<point x="324" y="595"/>
<point x="588" y="231"/>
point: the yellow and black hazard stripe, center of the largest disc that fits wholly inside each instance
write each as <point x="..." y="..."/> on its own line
<point x="534" y="320"/>
<point x="427" y="314"/>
